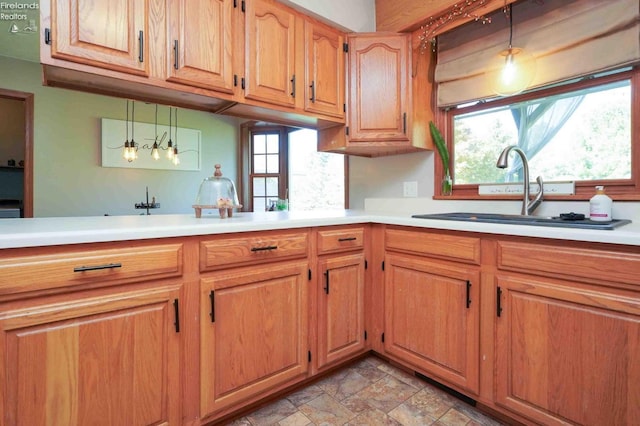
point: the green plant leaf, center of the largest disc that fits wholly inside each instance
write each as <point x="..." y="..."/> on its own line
<point x="441" y="145"/>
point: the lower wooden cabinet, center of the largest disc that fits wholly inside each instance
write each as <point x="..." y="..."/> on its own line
<point x="253" y="332"/>
<point x="432" y="312"/>
<point x="566" y="354"/>
<point x="341" y="332"/>
<point x="108" y="360"/>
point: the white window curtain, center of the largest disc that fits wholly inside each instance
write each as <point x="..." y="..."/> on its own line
<point x="568" y="38"/>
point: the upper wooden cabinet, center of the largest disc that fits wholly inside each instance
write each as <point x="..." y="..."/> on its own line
<point x="109" y="34"/>
<point x="324" y="70"/>
<point x="270" y="53"/>
<point x="387" y="108"/>
<point x="239" y="58"/>
<point x="202" y="43"/>
<point x="379" y="91"/>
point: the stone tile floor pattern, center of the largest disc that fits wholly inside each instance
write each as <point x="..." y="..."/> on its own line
<point x="368" y="392"/>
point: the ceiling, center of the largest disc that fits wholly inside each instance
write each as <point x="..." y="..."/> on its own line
<point x="22" y="44"/>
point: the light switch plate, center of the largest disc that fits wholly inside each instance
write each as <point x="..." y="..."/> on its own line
<point x="410" y="189"/>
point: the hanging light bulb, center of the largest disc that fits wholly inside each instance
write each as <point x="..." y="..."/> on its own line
<point x="154" y="151"/>
<point x="170" y="143"/>
<point x="175" y="158"/>
<point x="515" y="68"/>
<point x="125" y="150"/>
<point x="133" y="149"/>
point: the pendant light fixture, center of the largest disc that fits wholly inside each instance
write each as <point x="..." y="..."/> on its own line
<point x="175" y="158"/>
<point x="125" y="151"/>
<point x="170" y="143"/>
<point x="515" y="68"/>
<point x="133" y="147"/>
<point x="130" y="151"/>
<point x="154" y="151"/>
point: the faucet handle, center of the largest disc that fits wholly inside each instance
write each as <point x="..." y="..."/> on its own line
<point x="533" y="204"/>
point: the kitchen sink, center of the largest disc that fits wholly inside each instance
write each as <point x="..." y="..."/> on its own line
<point x="513" y="219"/>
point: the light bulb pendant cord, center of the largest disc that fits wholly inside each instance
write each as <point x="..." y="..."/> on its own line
<point x="510" y="12"/>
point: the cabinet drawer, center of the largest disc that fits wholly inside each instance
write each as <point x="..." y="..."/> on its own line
<point x="253" y="248"/>
<point x="561" y="261"/>
<point x="453" y="247"/>
<point x="336" y="240"/>
<point x="109" y="266"/>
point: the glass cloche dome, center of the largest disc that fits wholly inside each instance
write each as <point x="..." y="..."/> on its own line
<point x="217" y="192"/>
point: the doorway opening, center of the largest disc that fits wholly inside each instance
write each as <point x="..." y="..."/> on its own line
<point x="16" y="153"/>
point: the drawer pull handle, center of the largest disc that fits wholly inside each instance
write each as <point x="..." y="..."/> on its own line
<point x="97" y="267"/>
<point x="267" y="248"/>
<point x="347" y="239"/>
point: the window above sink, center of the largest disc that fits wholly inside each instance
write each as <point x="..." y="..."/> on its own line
<point x="580" y="131"/>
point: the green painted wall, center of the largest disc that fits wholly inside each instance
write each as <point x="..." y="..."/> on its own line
<point x="68" y="178"/>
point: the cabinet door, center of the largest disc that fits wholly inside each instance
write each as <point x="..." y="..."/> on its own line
<point x="270" y="53"/>
<point x="324" y="66"/>
<point x="340" y="308"/>
<point x="566" y="355"/>
<point x="104" y="33"/>
<point x="253" y="332"/>
<point x="432" y="317"/>
<point x="379" y="91"/>
<point x="201" y="43"/>
<point x="113" y="360"/>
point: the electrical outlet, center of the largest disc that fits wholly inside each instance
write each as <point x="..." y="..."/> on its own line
<point x="410" y="189"/>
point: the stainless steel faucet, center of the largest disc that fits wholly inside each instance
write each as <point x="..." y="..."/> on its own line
<point x="528" y="206"/>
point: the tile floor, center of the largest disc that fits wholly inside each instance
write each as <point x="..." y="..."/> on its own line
<point x="368" y="392"/>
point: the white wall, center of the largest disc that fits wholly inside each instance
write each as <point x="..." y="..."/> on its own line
<point x="68" y="178"/>
<point x="352" y="15"/>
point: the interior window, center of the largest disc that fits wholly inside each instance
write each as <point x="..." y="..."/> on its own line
<point x="579" y="133"/>
<point x="281" y="163"/>
<point x="316" y="179"/>
<point x="267" y="178"/>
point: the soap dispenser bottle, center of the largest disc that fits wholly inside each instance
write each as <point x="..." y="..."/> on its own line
<point x="600" y="206"/>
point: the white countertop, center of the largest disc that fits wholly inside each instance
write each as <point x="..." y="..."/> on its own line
<point x="16" y="233"/>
